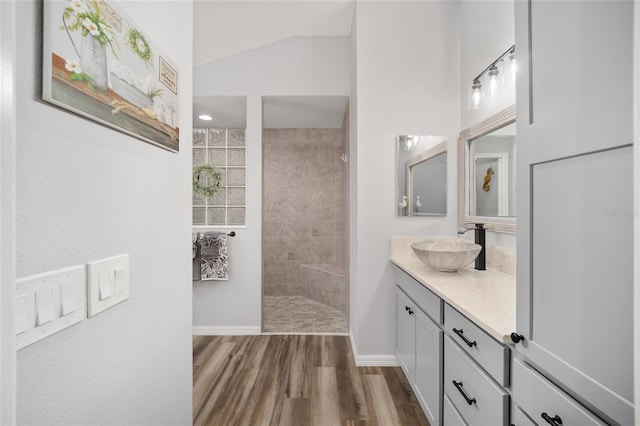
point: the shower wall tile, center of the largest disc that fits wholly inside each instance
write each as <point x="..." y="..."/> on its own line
<point x="321" y="201"/>
<point x="284" y="225"/>
<point x="323" y="224"/>
<point x="295" y="272"/>
<point x="302" y="212"/>
<point x="274" y="248"/>
<point x="275" y="272"/>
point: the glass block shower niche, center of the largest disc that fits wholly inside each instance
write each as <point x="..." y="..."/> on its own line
<point x="226" y="150"/>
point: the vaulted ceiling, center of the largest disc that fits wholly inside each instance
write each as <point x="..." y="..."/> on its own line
<point x="225" y="28"/>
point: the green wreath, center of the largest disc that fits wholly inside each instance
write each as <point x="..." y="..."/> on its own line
<point x="140" y="45"/>
<point x="214" y="176"/>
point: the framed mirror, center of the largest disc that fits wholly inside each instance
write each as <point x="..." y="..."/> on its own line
<point x="422" y="175"/>
<point x="487" y="173"/>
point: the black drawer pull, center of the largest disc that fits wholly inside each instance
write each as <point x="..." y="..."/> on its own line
<point x="458" y="386"/>
<point x="410" y="312"/>
<point x="555" y="421"/>
<point x="469" y="343"/>
<point x="515" y="337"/>
<point x="406" y="308"/>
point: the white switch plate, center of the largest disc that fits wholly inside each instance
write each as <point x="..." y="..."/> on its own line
<point x="107" y="283"/>
<point x="49" y="302"/>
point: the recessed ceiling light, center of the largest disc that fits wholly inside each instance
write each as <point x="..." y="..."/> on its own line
<point x="205" y="117"/>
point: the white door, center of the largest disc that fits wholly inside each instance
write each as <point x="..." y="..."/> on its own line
<point x="575" y="198"/>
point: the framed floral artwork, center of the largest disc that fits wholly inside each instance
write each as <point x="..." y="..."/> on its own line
<point x="99" y="64"/>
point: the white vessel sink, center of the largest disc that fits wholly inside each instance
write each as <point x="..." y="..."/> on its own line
<point x="446" y="254"/>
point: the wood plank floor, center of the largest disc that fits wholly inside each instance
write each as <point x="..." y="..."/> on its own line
<point x="295" y="380"/>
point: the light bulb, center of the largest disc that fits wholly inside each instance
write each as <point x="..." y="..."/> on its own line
<point x="476" y="94"/>
<point x="512" y="64"/>
<point x="493" y="80"/>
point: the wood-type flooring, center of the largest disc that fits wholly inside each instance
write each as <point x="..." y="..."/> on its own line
<point x="295" y="380"/>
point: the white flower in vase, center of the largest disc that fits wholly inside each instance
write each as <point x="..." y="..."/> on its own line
<point x="91" y="26"/>
<point x="72" y="65"/>
<point x="78" y="6"/>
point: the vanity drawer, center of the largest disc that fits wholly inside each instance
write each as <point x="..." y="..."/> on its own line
<point x="521" y="419"/>
<point x="424" y="298"/>
<point x="450" y="416"/>
<point x="478" y="399"/>
<point x="537" y="395"/>
<point x="492" y="355"/>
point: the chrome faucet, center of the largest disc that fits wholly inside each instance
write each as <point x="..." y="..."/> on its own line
<point x="479" y="231"/>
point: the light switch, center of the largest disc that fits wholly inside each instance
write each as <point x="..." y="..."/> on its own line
<point x="108" y="283"/>
<point x="104" y="285"/>
<point x="44" y="306"/>
<point x="68" y="296"/>
<point x="121" y="279"/>
<point x="22" y="314"/>
<point x="48" y="303"/>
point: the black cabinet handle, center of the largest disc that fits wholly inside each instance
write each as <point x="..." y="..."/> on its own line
<point x="515" y="337"/>
<point x="555" y="421"/>
<point x="410" y="312"/>
<point x="458" y="386"/>
<point x="406" y="308"/>
<point x="467" y="341"/>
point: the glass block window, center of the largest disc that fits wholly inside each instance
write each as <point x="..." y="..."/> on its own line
<point x="225" y="149"/>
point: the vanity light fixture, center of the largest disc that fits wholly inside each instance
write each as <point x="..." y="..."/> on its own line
<point x="493" y="74"/>
<point x="205" y="117"/>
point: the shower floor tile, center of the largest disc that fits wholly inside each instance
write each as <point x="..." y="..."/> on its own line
<point x="297" y="314"/>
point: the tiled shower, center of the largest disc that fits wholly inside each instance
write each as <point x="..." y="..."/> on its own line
<point x="305" y="233"/>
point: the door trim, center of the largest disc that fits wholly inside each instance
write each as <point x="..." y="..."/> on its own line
<point x="7" y="212"/>
<point x="636" y="202"/>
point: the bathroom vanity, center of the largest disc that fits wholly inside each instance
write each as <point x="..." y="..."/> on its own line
<point x="454" y="344"/>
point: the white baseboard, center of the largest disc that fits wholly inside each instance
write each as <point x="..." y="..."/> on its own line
<point x="225" y="331"/>
<point x="372" y="360"/>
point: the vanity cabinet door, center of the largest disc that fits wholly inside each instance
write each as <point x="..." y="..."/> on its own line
<point x="428" y="384"/>
<point x="575" y="198"/>
<point x="405" y="334"/>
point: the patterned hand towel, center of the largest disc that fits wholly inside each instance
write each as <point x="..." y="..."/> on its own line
<point x="213" y="256"/>
<point x="195" y="255"/>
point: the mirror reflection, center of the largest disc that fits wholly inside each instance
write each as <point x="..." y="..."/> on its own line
<point x="422" y="175"/>
<point x="492" y="173"/>
<point x="487" y="173"/>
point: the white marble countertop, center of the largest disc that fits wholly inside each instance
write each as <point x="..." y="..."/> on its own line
<point x="488" y="298"/>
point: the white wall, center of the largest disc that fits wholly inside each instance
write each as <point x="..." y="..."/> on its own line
<point x="486" y="31"/>
<point x="86" y="192"/>
<point x="295" y="66"/>
<point x="7" y="212"/>
<point x="299" y="66"/>
<point x="407" y="83"/>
